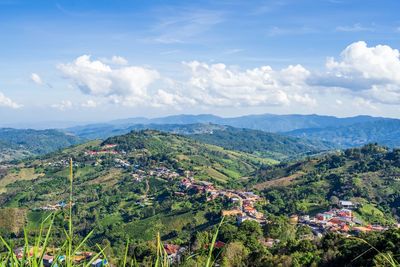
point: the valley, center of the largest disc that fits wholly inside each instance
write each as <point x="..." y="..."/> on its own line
<point x="134" y="186"/>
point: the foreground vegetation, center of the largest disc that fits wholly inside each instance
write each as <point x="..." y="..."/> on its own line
<point x="128" y="204"/>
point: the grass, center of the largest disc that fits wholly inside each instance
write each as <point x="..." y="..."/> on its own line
<point x="23" y="174"/>
<point x="35" y="249"/>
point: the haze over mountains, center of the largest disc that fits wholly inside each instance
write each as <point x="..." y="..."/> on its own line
<point x="274" y="136"/>
<point x="342" y="132"/>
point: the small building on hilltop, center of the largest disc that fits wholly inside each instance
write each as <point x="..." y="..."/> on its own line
<point x="347" y="204"/>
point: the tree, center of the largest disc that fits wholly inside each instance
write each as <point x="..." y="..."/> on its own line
<point x="235" y="254"/>
<point x="334" y="200"/>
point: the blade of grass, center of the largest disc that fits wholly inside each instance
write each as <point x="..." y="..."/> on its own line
<point x="214" y="239"/>
<point x="126" y="253"/>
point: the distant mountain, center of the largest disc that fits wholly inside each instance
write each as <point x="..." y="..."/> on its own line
<point x="342" y="132"/>
<point x="265" y="122"/>
<point x="384" y="131"/>
<point x="255" y="142"/>
<point x="284" y="123"/>
<point x="18" y="143"/>
<point x="102" y="131"/>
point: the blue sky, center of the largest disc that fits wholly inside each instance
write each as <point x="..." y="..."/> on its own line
<point x="100" y="60"/>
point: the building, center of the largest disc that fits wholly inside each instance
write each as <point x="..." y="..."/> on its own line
<point x="173" y="252"/>
<point x="346" y="204"/>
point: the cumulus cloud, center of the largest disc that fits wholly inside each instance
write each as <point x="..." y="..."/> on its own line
<point x="373" y="72"/>
<point x="7" y="102"/>
<point x="119" y="60"/>
<point x="36" y="79"/>
<point x="221" y="85"/>
<point x="122" y="84"/>
<point x="369" y="74"/>
<point x="63" y="105"/>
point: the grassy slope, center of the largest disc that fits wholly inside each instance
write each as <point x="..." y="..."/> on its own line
<point x="106" y="196"/>
<point x="22" y="143"/>
<point x="261" y="143"/>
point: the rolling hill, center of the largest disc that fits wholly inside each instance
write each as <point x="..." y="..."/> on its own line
<point x="19" y="143"/>
<point x="264" y="122"/>
<point x="130" y="186"/>
<point x="369" y="175"/>
<point x="261" y="143"/>
<point x="104" y="179"/>
<point x="385" y="132"/>
<point x="341" y="132"/>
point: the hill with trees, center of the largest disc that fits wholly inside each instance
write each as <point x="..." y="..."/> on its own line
<point x="369" y="176"/>
<point x="134" y="186"/>
<point x="385" y="132"/>
<point x="19" y="143"/>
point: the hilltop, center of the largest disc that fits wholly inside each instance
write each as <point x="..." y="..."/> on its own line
<point x="337" y="132"/>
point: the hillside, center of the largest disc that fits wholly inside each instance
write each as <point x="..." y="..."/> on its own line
<point x="338" y="132"/>
<point x="126" y="184"/>
<point x="136" y="185"/>
<point x="369" y="175"/>
<point x="259" y="143"/>
<point x="103" y="131"/>
<point x="262" y="143"/>
<point x="385" y="132"/>
<point x="18" y="143"/>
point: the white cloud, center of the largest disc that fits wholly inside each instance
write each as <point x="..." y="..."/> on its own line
<point x="63" y="105"/>
<point x="221" y="85"/>
<point x="119" y="60"/>
<point x="370" y="72"/>
<point x="7" y="102"/>
<point x="36" y="79"/>
<point x="93" y="77"/>
<point x="89" y="104"/>
<point x="375" y="63"/>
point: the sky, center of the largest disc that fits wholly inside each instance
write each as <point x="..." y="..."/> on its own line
<point x="87" y="61"/>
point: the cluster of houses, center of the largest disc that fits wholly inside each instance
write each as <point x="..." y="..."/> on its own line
<point x="164" y="172"/>
<point x="161" y="172"/>
<point x="53" y="207"/>
<point x="244" y="202"/>
<point x="244" y="208"/>
<point x="105" y="149"/>
<point x="340" y="220"/>
<point x="50" y="258"/>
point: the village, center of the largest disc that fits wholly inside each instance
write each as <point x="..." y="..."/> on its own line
<point x="242" y="204"/>
<point x="339" y="220"/>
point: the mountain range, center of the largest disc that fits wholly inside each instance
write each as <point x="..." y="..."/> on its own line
<point x="274" y="136"/>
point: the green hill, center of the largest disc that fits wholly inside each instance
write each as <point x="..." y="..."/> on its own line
<point x="369" y="175"/>
<point x="20" y="143"/>
<point x="383" y="131"/>
<point x="261" y="143"/>
<point x="110" y="198"/>
<point x="130" y="186"/>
